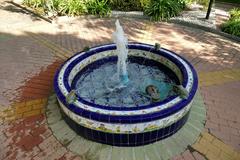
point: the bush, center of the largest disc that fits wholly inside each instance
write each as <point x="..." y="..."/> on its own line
<point x="98" y="7"/>
<point x="129" y="5"/>
<point x="234" y="13"/>
<point x="70" y="7"/>
<point x="232" y="26"/>
<point x="34" y="3"/>
<point x="164" y="9"/>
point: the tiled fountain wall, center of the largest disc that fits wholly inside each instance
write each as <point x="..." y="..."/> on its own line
<point x="123" y="126"/>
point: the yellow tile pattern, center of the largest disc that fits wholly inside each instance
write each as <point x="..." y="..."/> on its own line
<point x="215" y="149"/>
<point x="219" y="77"/>
<point x="23" y="110"/>
<point x="57" y="50"/>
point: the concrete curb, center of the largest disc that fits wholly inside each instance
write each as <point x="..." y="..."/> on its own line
<point x="207" y="29"/>
<point x="29" y="10"/>
<point x="132" y="14"/>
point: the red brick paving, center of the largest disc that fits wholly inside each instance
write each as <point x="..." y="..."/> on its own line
<point x="39" y="86"/>
<point x="30" y="138"/>
<point x="223" y="120"/>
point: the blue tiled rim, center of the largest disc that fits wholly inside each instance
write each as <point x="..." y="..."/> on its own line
<point x="133" y="118"/>
<point x="130" y="46"/>
<point x="126" y="140"/>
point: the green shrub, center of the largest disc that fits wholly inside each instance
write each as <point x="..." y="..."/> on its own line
<point x="129" y="5"/>
<point x="39" y="6"/>
<point x="34" y="3"/>
<point x="234" y="13"/>
<point x="53" y="5"/>
<point x="232" y="27"/>
<point x="71" y="7"/>
<point x="61" y="7"/>
<point x="98" y="7"/>
<point x="164" y="9"/>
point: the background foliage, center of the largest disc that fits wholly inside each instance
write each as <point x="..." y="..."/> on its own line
<point x="232" y="26"/>
<point x="156" y="9"/>
<point x="164" y="9"/>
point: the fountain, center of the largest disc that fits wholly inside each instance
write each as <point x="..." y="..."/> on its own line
<point x="121" y="42"/>
<point x="126" y="94"/>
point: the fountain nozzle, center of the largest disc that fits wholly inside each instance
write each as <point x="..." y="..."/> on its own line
<point x="124" y="79"/>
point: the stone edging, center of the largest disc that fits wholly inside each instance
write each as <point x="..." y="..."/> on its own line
<point x="131" y="14"/>
<point x="166" y="149"/>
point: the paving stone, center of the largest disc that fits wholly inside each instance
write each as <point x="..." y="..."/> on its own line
<point x="116" y="152"/>
<point x="198" y="126"/>
<point x="106" y="153"/>
<point x="52" y="98"/>
<point x="157" y="152"/>
<point x="94" y="151"/>
<point x="198" y="106"/>
<point x="54" y="118"/>
<point x="79" y="145"/>
<point x="138" y="153"/>
<point x="181" y="146"/>
<point x="198" y="156"/>
<point x="52" y="107"/>
<point x="193" y="130"/>
<point x="127" y="153"/>
<point x="58" y="125"/>
<point x="183" y="137"/>
<point x="151" y="153"/>
<point x="179" y="139"/>
<point x="57" y="154"/>
<point x="65" y="135"/>
<point x="198" y="115"/>
<point x="163" y="151"/>
<point x="174" y="147"/>
<point x="53" y="115"/>
<point x="50" y="144"/>
<point x="187" y="155"/>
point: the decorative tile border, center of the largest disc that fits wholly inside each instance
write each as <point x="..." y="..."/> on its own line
<point x="85" y="109"/>
<point x="177" y="143"/>
<point x="126" y="128"/>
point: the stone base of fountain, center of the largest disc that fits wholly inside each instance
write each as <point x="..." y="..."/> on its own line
<point x="164" y="149"/>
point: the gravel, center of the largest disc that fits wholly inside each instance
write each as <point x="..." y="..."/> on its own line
<point x="197" y="16"/>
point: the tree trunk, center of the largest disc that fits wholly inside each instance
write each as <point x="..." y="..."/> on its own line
<point x="209" y="8"/>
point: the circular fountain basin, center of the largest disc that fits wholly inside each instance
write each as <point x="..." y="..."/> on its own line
<point x="124" y="125"/>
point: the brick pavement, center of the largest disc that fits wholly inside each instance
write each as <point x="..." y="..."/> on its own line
<point x="31" y="51"/>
